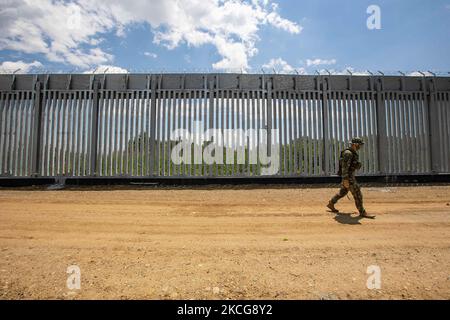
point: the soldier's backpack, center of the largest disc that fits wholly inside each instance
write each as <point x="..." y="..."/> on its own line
<point x="341" y="160"/>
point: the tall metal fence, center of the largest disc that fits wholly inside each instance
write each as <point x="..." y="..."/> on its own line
<point x="72" y="125"/>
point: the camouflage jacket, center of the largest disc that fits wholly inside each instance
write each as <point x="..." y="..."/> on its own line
<point x="349" y="163"/>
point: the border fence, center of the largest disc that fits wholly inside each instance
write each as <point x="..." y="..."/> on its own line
<point x="122" y="125"/>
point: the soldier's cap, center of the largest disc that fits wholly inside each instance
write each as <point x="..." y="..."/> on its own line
<point x="357" y="140"/>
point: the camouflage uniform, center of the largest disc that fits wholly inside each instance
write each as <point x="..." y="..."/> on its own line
<point x="350" y="163"/>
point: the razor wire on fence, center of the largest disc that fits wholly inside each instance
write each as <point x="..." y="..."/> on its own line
<point x="220" y="125"/>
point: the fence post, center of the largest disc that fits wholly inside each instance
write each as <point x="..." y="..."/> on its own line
<point x="325" y="128"/>
<point x="211" y="114"/>
<point x="94" y="141"/>
<point x="382" y="146"/>
<point x="152" y="125"/>
<point x="433" y="138"/>
<point x="269" y="118"/>
<point x="37" y="128"/>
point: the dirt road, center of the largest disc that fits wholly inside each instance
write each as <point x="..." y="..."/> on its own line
<point x="271" y="243"/>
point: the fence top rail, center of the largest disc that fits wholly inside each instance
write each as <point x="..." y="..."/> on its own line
<point x="212" y="81"/>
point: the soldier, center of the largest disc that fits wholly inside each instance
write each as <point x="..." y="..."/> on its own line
<point x="348" y="164"/>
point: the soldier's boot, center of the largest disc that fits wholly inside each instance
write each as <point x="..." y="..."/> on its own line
<point x="330" y="206"/>
<point x="364" y="214"/>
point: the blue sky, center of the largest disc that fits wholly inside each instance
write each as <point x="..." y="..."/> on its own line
<point x="223" y="36"/>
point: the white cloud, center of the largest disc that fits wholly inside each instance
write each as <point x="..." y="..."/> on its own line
<point x="107" y="69"/>
<point x="56" y="29"/>
<point x="150" y="55"/>
<point x="231" y="26"/>
<point x="418" y="74"/>
<point x="70" y="32"/>
<point x="318" y="62"/>
<point x="187" y="58"/>
<point x="274" y="19"/>
<point x="354" y="72"/>
<point x="235" y="55"/>
<point x="281" y="66"/>
<point x="346" y="71"/>
<point x="19" y="66"/>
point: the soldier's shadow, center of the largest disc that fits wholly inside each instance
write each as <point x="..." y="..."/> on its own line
<point x="347" y="218"/>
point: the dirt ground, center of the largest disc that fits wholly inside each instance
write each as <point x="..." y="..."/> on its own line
<point x="223" y="243"/>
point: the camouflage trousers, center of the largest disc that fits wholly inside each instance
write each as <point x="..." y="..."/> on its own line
<point x="356" y="192"/>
